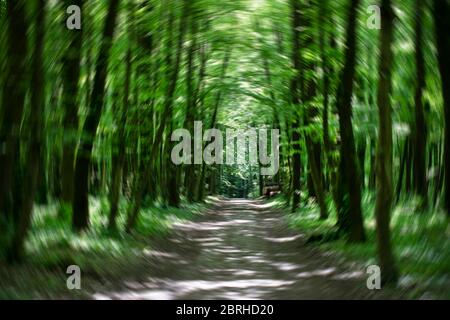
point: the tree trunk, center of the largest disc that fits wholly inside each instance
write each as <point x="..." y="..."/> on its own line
<point x="80" y="204"/>
<point x="118" y="147"/>
<point x="323" y="15"/>
<point x="350" y="219"/>
<point x="213" y="125"/>
<point x="328" y="71"/>
<point x="384" y="149"/>
<point x="70" y="75"/>
<point x="401" y="172"/>
<point x="172" y="189"/>
<point x="409" y="164"/>
<point x="29" y="185"/>
<point x="420" y="135"/>
<point x="439" y="174"/>
<point x="361" y="152"/>
<point x="317" y="179"/>
<point x="118" y="157"/>
<point x="190" y="108"/>
<point x="313" y="147"/>
<point x="199" y="180"/>
<point x="372" y="171"/>
<point x="295" y="96"/>
<point x="15" y="84"/>
<point x="134" y="207"/>
<point x="441" y="11"/>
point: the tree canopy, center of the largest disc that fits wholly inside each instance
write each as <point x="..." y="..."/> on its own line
<point x="359" y="91"/>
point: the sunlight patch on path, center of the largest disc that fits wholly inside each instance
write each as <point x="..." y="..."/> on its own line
<point x="240" y="249"/>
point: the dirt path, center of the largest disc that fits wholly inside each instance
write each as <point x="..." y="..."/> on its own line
<point x="240" y="249"/>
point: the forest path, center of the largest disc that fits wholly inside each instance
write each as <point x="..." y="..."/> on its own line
<point x="240" y="249"/>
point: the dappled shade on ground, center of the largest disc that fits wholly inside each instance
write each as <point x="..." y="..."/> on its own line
<point x="240" y="249"/>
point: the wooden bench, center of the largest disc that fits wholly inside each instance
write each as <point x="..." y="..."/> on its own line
<point x="270" y="191"/>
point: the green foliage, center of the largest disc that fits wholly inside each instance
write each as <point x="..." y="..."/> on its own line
<point x="53" y="246"/>
<point x="420" y="241"/>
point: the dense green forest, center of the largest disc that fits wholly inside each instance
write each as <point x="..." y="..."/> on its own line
<point x="91" y="92"/>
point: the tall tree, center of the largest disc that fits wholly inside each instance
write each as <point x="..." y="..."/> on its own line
<point x="70" y="77"/>
<point x="191" y="104"/>
<point x="350" y="219"/>
<point x="199" y="184"/>
<point x="420" y="135"/>
<point x="213" y="124"/>
<point x="441" y="12"/>
<point x="295" y="95"/>
<point x="133" y="209"/>
<point x="33" y="162"/>
<point x="118" y="148"/>
<point x="313" y="146"/>
<point x="15" y="83"/>
<point x="80" y="204"/>
<point x="200" y="181"/>
<point x="384" y="147"/>
<point x="329" y="146"/>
